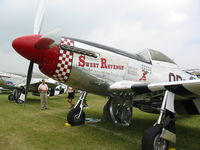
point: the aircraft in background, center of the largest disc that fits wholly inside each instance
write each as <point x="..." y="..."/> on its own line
<point x="148" y="80"/>
<point x="16" y="83"/>
<point x="2" y="90"/>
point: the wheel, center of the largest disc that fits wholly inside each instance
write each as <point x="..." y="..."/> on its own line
<point x="106" y="112"/>
<point x="11" y="97"/>
<point x="18" y="101"/>
<point x="72" y="117"/>
<point x="152" y="140"/>
<point x="16" y="94"/>
<point x="117" y="111"/>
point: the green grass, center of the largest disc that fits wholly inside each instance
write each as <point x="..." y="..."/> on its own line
<point x="32" y="129"/>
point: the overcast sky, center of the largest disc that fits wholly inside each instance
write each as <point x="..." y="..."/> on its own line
<point x="171" y="26"/>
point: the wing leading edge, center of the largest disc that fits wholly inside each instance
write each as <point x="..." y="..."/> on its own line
<point x="189" y="88"/>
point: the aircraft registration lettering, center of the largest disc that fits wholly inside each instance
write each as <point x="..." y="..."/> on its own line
<point x="173" y="77"/>
<point x="103" y="64"/>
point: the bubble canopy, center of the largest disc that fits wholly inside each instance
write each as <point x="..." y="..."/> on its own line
<point x="153" y="55"/>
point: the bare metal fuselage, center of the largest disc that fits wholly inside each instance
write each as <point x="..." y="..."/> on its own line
<point x="95" y="75"/>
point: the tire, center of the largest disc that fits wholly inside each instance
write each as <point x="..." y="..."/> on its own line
<point x="115" y="112"/>
<point x="72" y="117"/>
<point x="106" y="112"/>
<point x="18" y="101"/>
<point x="11" y="97"/>
<point x="152" y="141"/>
<point x="16" y="94"/>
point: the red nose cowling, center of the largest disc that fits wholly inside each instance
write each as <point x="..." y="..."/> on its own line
<point x="47" y="58"/>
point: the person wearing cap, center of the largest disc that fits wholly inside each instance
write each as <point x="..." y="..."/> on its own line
<point x="43" y="88"/>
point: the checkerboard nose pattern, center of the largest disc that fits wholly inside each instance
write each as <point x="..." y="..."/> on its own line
<point x="64" y="66"/>
<point x="67" y="43"/>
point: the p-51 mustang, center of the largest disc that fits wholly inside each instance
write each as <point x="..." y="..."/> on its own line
<point x="16" y="83"/>
<point x="148" y="80"/>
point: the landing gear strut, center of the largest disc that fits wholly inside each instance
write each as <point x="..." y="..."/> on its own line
<point x="76" y="116"/>
<point x="17" y="95"/>
<point x="163" y="131"/>
<point x="118" y="110"/>
<point x="14" y="95"/>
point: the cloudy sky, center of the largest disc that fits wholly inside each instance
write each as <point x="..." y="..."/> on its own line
<point x="171" y="26"/>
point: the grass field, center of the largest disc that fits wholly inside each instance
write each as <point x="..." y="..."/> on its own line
<point x="32" y="129"/>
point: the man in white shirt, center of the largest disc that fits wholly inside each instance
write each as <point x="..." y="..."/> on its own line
<point x="43" y="88"/>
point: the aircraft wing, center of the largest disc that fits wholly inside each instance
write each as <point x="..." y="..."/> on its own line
<point x="36" y="84"/>
<point x="3" y="90"/>
<point x="189" y="88"/>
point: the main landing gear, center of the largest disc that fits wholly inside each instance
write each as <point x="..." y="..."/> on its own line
<point x="17" y="95"/>
<point x="76" y="116"/>
<point x="163" y="131"/>
<point x="118" y="110"/>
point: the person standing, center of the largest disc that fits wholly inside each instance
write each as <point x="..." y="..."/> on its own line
<point x="70" y="97"/>
<point x="43" y="88"/>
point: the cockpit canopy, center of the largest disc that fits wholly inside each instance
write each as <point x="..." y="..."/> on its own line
<point x="150" y="55"/>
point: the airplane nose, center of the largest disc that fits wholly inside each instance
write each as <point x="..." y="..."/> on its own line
<point x="45" y="57"/>
<point x="25" y="46"/>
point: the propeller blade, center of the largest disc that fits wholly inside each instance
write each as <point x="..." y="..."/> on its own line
<point x="28" y="80"/>
<point x="39" y="17"/>
<point x="50" y="39"/>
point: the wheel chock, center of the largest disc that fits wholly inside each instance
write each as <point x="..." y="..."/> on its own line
<point x="171" y="149"/>
<point x="67" y="124"/>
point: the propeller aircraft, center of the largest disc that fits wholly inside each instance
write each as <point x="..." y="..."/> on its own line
<point x="16" y="83"/>
<point x="148" y="80"/>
